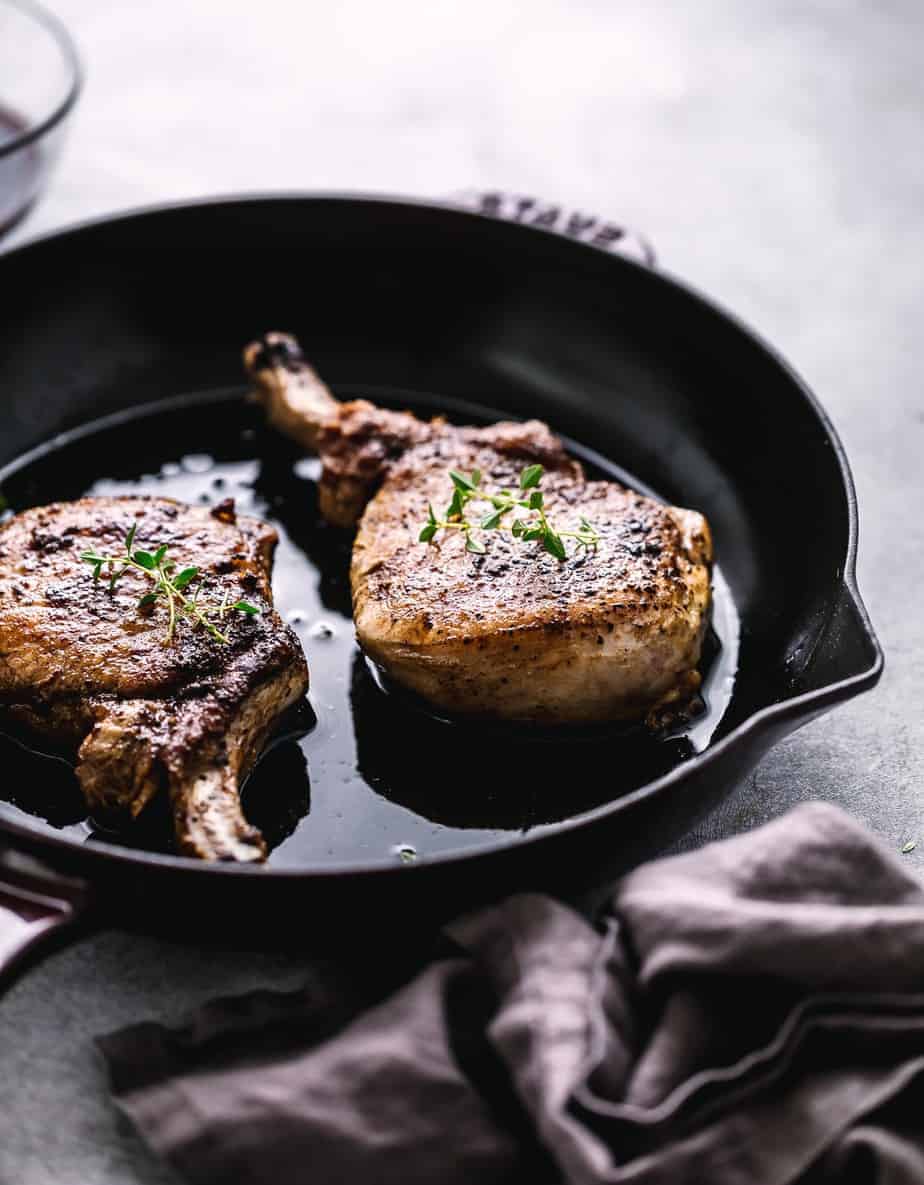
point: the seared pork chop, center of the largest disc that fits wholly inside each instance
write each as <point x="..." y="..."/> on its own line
<point x="84" y="666"/>
<point x="607" y="633"/>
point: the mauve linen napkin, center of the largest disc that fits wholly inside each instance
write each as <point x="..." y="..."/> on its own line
<point x="748" y="1014"/>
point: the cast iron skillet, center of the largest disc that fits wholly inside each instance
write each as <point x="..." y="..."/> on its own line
<point x="442" y="308"/>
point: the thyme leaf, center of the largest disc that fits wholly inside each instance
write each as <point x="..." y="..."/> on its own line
<point x="167" y="587"/>
<point x="533" y="526"/>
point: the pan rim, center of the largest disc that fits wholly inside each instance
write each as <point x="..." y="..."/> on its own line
<point x="762" y="720"/>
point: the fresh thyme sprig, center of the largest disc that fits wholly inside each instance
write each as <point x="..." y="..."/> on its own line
<point x="536" y="526"/>
<point x="168" y="584"/>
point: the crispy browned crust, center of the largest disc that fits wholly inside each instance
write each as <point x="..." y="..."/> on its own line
<point x="605" y="634"/>
<point x="611" y="634"/>
<point x="85" y="666"/>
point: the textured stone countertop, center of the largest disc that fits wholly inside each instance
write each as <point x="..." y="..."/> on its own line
<point x="771" y="151"/>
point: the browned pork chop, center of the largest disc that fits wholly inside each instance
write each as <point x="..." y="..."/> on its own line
<point x="608" y="633"/>
<point x="84" y="666"/>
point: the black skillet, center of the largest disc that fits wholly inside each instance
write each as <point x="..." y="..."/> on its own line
<point x="120" y="370"/>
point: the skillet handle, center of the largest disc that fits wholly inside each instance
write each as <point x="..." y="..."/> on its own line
<point x="37" y="904"/>
<point x="573" y="224"/>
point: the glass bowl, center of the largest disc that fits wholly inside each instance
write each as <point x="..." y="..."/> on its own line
<point x="40" y="80"/>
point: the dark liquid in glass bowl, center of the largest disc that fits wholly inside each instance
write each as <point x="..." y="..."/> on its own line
<point x="371" y="775"/>
<point x="20" y="170"/>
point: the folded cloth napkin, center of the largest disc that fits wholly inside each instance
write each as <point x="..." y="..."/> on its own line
<point x="748" y="1014"/>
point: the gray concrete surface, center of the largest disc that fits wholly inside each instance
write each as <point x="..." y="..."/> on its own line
<point x="771" y="150"/>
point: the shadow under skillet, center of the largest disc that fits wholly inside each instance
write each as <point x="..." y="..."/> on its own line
<point x="491" y="776"/>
